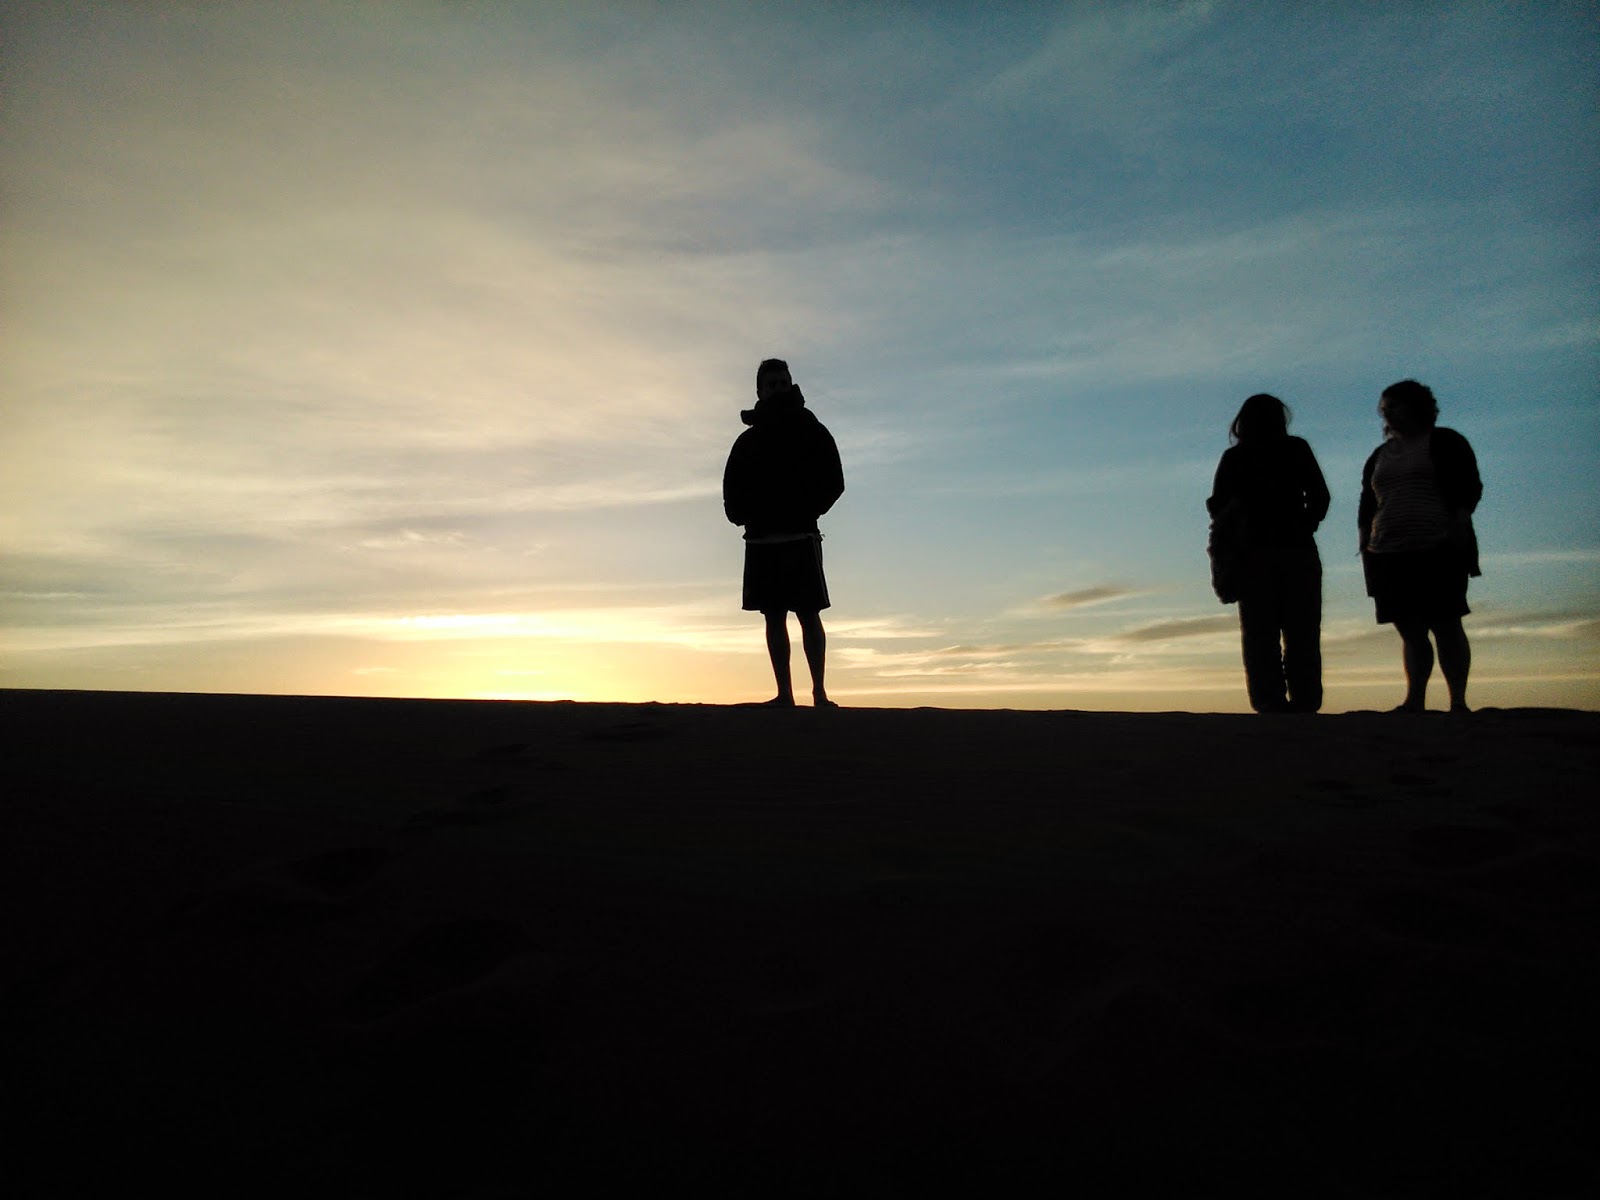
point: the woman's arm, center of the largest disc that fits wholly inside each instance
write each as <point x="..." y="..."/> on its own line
<point x="1367" y="507"/>
<point x="1225" y="484"/>
<point x="1457" y="470"/>
<point x="1315" y="488"/>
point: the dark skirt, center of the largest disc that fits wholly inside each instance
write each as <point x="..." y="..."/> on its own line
<point x="1418" y="585"/>
<point x="784" y="577"/>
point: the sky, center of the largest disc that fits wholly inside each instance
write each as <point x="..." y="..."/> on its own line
<point x="396" y="349"/>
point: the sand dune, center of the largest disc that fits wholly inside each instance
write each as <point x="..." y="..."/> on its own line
<point x="385" y="948"/>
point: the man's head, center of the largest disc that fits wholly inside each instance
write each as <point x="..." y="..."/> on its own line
<point x="772" y="378"/>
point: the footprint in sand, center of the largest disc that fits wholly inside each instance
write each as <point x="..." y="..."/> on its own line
<point x="784" y="978"/>
<point x="1457" y="847"/>
<point x="508" y="750"/>
<point x="629" y="731"/>
<point x="286" y="894"/>
<point x="1424" y="916"/>
<point x="1340" y="793"/>
<point x="479" y="807"/>
<point x="1115" y="764"/>
<point x="1410" y="779"/>
<point x="1524" y="818"/>
<point x="339" y="873"/>
<point x="434" y="962"/>
<point x="1054" y="966"/>
<point x="1556" y="881"/>
<point x="517" y="754"/>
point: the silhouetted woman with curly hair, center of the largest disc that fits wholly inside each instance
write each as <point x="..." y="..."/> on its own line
<point x="1418" y="492"/>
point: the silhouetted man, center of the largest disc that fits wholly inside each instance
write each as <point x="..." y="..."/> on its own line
<point x="782" y="474"/>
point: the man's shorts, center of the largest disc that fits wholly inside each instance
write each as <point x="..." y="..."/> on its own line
<point x="784" y="576"/>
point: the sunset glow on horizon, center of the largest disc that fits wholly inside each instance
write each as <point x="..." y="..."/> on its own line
<point x="396" y="350"/>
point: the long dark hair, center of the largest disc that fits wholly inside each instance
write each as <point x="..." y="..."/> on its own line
<point x="1260" y="418"/>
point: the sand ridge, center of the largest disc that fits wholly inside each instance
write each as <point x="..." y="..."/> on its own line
<point x="429" y="948"/>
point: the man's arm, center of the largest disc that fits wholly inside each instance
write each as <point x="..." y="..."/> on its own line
<point x="735" y="489"/>
<point x="830" y="473"/>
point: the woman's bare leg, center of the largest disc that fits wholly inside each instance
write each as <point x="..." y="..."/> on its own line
<point x="1455" y="660"/>
<point x="1417" y="653"/>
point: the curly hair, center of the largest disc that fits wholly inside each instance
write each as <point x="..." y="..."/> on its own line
<point x="1418" y="396"/>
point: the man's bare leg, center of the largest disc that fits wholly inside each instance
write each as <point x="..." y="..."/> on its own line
<point x="815" y="642"/>
<point x="778" y="652"/>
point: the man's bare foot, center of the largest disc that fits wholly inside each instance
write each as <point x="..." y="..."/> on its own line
<point x="778" y="702"/>
<point x="823" y="702"/>
<point x="1408" y="707"/>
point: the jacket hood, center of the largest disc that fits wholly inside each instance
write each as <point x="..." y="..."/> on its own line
<point x="784" y="406"/>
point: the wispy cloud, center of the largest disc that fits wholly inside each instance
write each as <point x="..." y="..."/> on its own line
<point x="1130" y="51"/>
<point x="1509" y="627"/>
<point x="1175" y="630"/>
<point x="1540" y="558"/>
<point x="1083" y="597"/>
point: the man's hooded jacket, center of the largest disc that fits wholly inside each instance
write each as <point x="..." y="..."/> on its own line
<point x="784" y="471"/>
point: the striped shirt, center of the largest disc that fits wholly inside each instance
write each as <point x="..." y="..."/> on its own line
<point x="1411" y="510"/>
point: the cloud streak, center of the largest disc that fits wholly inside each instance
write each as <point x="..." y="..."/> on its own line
<point x="1084" y="597"/>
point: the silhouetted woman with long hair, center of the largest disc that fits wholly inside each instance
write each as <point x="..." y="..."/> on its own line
<point x="1268" y="498"/>
<point x="1418" y="493"/>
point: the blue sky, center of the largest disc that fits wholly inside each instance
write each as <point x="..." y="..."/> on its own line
<point x="395" y="349"/>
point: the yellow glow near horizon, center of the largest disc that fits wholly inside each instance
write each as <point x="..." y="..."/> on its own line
<point x="616" y="658"/>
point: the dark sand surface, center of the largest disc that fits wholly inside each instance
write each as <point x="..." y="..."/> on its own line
<point x="270" y="945"/>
